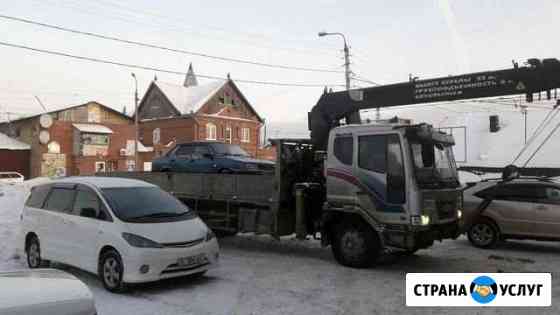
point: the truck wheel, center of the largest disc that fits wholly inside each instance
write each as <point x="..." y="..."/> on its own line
<point x="483" y="234"/>
<point x="355" y="244"/>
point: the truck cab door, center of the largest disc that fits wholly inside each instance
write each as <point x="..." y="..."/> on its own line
<point x="380" y="170"/>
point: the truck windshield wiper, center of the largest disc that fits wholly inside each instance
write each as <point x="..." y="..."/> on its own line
<point x="160" y="215"/>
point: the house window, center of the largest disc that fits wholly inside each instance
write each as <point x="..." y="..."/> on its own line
<point x="210" y="131"/>
<point x="227" y="138"/>
<point x="245" y="135"/>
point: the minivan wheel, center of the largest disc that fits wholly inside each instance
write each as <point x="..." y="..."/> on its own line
<point x="483" y="234"/>
<point x="33" y="253"/>
<point x="111" y="271"/>
<point x="355" y="244"/>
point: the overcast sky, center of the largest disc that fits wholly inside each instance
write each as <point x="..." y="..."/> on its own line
<point x="389" y="40"/>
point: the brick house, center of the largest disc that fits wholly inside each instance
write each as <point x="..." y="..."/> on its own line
<point x="14" y="155"/>
<point x="217" y="111"/>
<point x="80" y="140"/>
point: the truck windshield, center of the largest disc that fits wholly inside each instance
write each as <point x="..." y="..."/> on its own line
<point x="144" y="204"/>
<point x="434" y="165"/>
<point x="228" y="149"/>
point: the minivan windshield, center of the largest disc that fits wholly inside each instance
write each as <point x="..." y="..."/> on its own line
<point x="144" y="204"/>
<point x="228" y="149"/>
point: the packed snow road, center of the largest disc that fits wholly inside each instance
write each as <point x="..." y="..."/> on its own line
<point x="259" y="275"/>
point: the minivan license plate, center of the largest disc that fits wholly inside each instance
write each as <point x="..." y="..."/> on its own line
<point x="192" y="260"/>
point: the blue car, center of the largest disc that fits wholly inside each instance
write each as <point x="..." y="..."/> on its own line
<point x="210" y="157"/>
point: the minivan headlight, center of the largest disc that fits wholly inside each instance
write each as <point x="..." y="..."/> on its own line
<point x="210" y="235"/>
<point x="139" y="241"/>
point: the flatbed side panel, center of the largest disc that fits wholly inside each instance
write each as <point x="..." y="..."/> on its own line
<point x="224" y="201"/>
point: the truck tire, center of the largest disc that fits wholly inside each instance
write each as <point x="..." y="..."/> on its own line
<point x="355" y="244"/>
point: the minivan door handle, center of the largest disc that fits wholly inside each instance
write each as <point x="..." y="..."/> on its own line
<point x="540" y="207"/>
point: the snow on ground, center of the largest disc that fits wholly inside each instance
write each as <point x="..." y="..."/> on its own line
<point x="259" y="275"/>
<point x="11" y="202"/>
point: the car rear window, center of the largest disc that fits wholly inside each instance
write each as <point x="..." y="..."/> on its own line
<point x="37" y="197"/>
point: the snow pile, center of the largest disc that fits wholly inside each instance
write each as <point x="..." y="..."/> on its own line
<point x="12" y="199"/>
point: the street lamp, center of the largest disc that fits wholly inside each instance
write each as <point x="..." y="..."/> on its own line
<point x="136" y="162"/>
<point x="352" y="118"/>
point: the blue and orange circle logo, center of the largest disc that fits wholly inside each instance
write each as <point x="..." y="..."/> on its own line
<point x="484" y="289"/>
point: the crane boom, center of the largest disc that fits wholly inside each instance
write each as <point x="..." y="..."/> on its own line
<point x="536" y="77"/>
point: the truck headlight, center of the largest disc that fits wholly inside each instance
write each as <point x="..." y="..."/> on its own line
<point x="139" y="241"/>
<point x="459" y="213"/>
<point x="420" y="219"/>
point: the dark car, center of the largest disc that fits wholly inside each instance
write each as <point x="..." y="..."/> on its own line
<point x="210" y="157"/>
<point x="524" y="208"/>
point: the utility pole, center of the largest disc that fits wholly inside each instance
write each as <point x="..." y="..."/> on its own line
<point x="352" y="118"/>
<point x="136" y="131"/>
<point x="524" y="113"/>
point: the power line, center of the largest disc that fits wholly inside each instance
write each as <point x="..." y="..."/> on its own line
<point x="181" y="29"/>
<point x="176" y="50"/>
<point x="362" y="79"/>
<point x="150" y="68"/>
<point x="127" y="8"/>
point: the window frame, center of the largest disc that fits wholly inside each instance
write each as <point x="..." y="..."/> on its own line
<point x="211" y="131"/>
<point x="335" y="146"/>
<point x="402" y="166"/>
<point x="486" y="193"/>
<point x="47" y="187"/>
<point x="375" y="170"/>
<point x="245" y="134"/>
<point x="62" y="187"/>
<point x="187" y="156"/>
<point x="102" y="208"/>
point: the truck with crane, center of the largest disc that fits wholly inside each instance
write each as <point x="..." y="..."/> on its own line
<point x="363" y="189"/>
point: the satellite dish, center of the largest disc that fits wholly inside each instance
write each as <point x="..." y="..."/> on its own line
<point x="45" y="121"/>
<point x="44" y="137"/>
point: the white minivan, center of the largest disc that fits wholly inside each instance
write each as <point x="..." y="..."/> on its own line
<point x="124" y="230"/>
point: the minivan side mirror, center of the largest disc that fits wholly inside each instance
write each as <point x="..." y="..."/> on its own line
<point x="208" y="156"/>
<point x="88" y="213"/>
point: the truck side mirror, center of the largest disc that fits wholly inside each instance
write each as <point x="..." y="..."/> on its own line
<point x="510" y="172"/>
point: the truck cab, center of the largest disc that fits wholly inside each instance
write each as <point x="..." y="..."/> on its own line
<point x="400" y="180"/>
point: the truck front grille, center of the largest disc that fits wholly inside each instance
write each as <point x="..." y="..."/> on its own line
<point x="446" y="209"/>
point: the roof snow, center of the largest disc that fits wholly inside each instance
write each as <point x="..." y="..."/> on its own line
<point x="188" y="100"/>
<point x="7" y="143"/>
